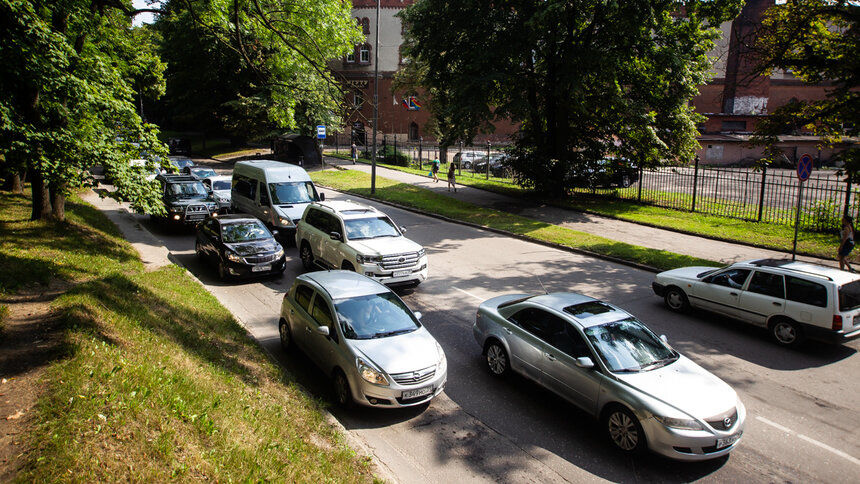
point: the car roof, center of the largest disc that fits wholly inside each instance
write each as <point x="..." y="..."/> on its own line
<point x="558" y="301"/>
<point x="169" y="178"/>
<point x="348" y="209"/>
<point x="219" y="178"/>
<point x="237" y="217"/>
<point x="344" y="284"/>
<point x="803" y="268"/>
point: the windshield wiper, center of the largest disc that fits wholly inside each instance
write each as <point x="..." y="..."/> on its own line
<point x="660" y="363"/>
<point x="385" y="334"/>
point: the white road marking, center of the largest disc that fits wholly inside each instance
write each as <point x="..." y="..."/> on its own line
<point x="469" y="294"/>
<point x="812" y="441"/>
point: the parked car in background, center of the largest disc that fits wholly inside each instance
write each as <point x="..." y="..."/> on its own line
<point x="605" y="173"/>
<point x="186" y="199"/>
<point x="357" y="237"/>
<point x="199" y="172"/>
<point x="499" y="165"/>
<point x="605" y="361"/>
<point x="793" y="300"/>
<point x="240" y="246"/>
<point x="466" y="159"/>
<point x="219" y="186"/>
<point x="364" y="338"/>
<point x="179" y="146"/>
<point x="179" y="163"/>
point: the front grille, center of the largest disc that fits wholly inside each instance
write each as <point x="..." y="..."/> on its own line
<point x="415" y="377"/>
<point x="718" y="422"/>
<point x="260" y="259"/>
<point x="400" y="261"/>
<point x="196" y="209"/>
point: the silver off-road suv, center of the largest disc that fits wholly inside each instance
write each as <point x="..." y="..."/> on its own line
<point x="357" y="237"/>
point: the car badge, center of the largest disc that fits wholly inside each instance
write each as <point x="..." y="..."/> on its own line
<point x="401" y="259"/>
<point x="727" y="422"/>
<point x="416" y="375"/>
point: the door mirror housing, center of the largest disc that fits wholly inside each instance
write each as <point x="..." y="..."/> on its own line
<point x="585" y="363"/>
<point x="334" y="235"/>
<point x="323" y="331"/>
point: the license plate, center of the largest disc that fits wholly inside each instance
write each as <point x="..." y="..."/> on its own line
<point x="194" y="217"/>
<point x="264" y="268"/>
<point x="727" y="441"/>
<point x="401" y="273"/>
<point x="418" y="392"/>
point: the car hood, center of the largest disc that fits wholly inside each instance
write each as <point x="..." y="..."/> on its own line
<point x="401" y="353"/>
<point x="253" y="247"/>
<point x="689" y="273"/>
<point x="292" y="211"/>
<point x="685" y="386"/>
<point x="222" y="193"/>
<point x="384" y="245"/>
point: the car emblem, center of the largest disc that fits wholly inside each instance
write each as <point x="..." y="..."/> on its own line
<point x="401" y="259"/>
<point x="727" y="422"/>
<point x="416" y="375"/>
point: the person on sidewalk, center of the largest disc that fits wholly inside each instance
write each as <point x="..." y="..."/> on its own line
<point x="435" y="170"/>
<point x="451" y="180"/>
<point x="847" y="243"/>
<point x="354" y="153"/>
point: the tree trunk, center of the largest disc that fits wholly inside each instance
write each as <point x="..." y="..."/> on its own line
<point x="17" y="184"/>
<point x="58" y="203"/>
<point x="41" y="198"/>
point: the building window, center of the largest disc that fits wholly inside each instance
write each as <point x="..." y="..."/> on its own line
<point x="350" y="58"/>
<point x="730" y="126"/>
<point x="413" y="131"/>
<point x="357" y="99"/>
<point x="365" y="26"/>
<point x="364" y="54"/>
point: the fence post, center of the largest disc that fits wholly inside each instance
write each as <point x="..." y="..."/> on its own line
<point x="761" y="193"/>
<point x="847" y="210"/>
<point x="695" y="183"/>
<point x="639" y="196"/>
<point x="488" y="159"/>
<point x="396" y="161"/>
<point x="420" y="162"/>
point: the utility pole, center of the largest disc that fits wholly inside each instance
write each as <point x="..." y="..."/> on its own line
<point x="375" y="100"/>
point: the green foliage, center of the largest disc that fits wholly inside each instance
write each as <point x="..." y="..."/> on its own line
<point x="817" y="41"/>
<point x="585" y="80"/>
<point x="395" y="157"/>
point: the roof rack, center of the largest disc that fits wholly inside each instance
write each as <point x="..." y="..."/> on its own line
<point x="781" y="263"/>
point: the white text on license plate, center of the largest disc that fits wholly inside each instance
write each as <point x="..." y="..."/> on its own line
<point x="264" y="268"/>
<point x="417" y="392"/>
<point x="725" y="442"/>
<point x="401" y="273"/>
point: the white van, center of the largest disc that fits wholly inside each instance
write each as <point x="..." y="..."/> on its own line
<point x="274" y="192"/>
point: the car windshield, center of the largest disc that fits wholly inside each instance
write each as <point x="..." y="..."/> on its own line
<point x="187" y="190"/>
<point x="369" y="228"/>
<point x="244" y="232"/>
<point x="203" y="172"/>
<point x="182" y="163"/>
<point x="296" y="192"/>
<point x="374" y="316"/>
<point x="628" y="346"/>
<point x="221" y="185"/>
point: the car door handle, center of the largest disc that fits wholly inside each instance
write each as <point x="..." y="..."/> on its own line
<point x="777" y="304"/>
<point x="508" y="331"/>
<point x="307" y="329"/>
<point x="549" y="357"/>
<point x="733" y="294"/>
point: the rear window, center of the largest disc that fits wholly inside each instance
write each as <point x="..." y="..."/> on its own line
<point x="806" y="292"/>
<point x="849" y="296"/>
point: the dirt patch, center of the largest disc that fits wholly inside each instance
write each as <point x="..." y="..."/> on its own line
<point x="30" y="342"/>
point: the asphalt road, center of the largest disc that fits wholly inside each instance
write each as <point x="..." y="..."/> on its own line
<point x="803" y="405"/>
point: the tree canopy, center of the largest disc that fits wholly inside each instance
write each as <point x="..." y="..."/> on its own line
<point x="586" y="79"/>
<point x="817" y="41"/>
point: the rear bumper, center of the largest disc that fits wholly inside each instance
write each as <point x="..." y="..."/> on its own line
<point x="827" y="335"/>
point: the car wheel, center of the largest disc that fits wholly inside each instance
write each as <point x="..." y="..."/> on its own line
<point x="342" y="393"/>
<point x="786" y="332"/>
<point x="497" y="359"/>
<point x="285" y="334"/>
<point x="624" y="430"/>
<point x="347" y="266"/>
<point x="223" y="272"/>
<point x="675" y="299"/>
<point x="307" y="256"/>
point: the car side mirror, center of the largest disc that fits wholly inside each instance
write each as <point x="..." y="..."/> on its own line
<point x="334" y="235"/>
<point x="322" y="197"/>
<point x="584" y="362"/>
<point x="418" y="314"/>
<point x="275" y="232"/>
<point x="403" y="229"/>
<point x="664" y="338"/>
<point x="323" y="331"/>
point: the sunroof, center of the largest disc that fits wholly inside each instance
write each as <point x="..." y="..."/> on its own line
<point x="588" y="309"/>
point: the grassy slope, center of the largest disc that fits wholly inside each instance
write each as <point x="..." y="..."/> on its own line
<point x="159" y="381"/>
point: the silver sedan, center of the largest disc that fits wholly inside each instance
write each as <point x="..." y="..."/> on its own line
<point x="605" y="361"/>
<point x="364" y="338"/>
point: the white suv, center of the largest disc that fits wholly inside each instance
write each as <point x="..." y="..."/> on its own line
<point x="357" y="237"/>
<point x="793" y="300"/>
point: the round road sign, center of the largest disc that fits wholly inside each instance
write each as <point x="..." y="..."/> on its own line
<point x="804" y="167"/>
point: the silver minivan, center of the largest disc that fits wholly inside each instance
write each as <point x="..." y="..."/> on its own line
<point x="274" y="192"/>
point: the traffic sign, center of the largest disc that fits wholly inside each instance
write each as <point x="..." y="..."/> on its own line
<point x="804" y="167"/>
<point x="321" y="131"/>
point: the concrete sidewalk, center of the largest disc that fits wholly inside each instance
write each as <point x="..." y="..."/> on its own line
<point x="628" y="232"/>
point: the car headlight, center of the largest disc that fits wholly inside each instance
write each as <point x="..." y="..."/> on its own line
<point x="370" y="373"/>
<point x="679" y="423"/>
<point x="421" y="252"/>
<point x="364" y="259"/>
<point x="279" y="254"/>
<point x="285" y="221"/>
<point x="233" y="256"/>
<point x="442" y="364"/>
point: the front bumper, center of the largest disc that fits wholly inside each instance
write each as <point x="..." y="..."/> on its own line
<point x="415" y="275"/>
<point x="659" y="289"/>
<point x="693" y="445"/>
<point x="244" y="269"/>
<point x="393" y="395"/>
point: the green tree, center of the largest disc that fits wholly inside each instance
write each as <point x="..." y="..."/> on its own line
<point x="68" y="76"/>
<point x="818" y="41"/>
<point x="585" y="79"/>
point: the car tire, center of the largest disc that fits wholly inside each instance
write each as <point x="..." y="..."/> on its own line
<point x="223" y="272"/>
<point x="307" y="256"/>
<point x="347" y="266"/>
<point x="786" y="332"/>
<point x="675" y="299"/>
<point x="623" y="430"/>
<point x="285" y="334"/>
<point x="497" y="358"/>
<point x="342" y="392"/>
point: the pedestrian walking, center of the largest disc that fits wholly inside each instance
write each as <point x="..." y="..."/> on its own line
<point x="354" y="153"/>
<point x="847" y="243"/>
<point x="435" y="170"/>
<point x="451" y="180"/>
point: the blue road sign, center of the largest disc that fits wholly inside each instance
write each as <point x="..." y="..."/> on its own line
<point x="321" y="131"/>
<point x="804" y="167"/>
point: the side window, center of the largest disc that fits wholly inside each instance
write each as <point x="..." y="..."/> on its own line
<point x="767" y="284"/>
<point x="242" y="186"/>
<point x="212" y="228"/>
<point x="731" y="278"/>
<point x="321" y="313"/>
<point x="332" y="224"/>
<point x="536" y="322"/>
<point x="313" y="219"/>
<point x="806" y="292"/>
<point x="264" y="195"/>
<point x="303" y="296"/>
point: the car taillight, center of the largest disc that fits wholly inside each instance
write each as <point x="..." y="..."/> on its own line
<point x="837" y="322"/>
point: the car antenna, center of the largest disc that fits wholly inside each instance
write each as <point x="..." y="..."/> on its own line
<point x="541" y="285"/>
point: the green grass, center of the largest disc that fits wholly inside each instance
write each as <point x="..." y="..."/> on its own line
<point x="357" y="182"/>
<point x="759" y="234"/>
<point x="158" y="381"/>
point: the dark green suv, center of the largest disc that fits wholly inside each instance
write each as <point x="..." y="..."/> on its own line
<point x="186" y="199"/>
